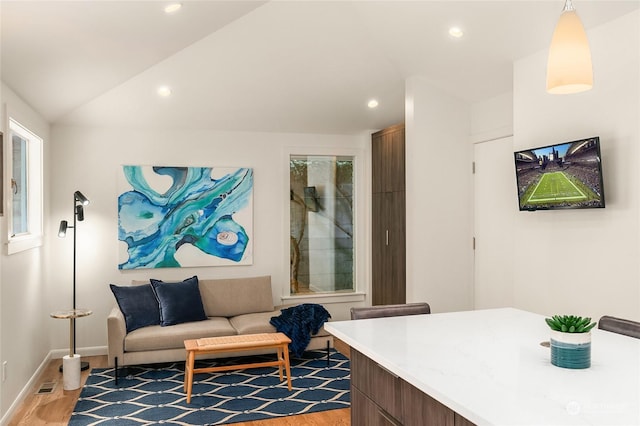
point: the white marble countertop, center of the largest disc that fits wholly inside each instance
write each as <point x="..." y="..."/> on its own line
<point x="489" y="366"/>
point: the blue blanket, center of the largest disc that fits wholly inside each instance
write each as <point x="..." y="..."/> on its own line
<point x="299" y="323"/>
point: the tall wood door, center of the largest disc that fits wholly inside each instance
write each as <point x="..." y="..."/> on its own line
<point x="388" y="217"/>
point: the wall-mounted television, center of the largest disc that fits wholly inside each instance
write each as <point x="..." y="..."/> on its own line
<point x="563" y="176"/>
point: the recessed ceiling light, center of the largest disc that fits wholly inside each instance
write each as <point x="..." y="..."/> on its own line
<point x="172" y="8"/>
<point x="164" y="91"/>
<point x="456" y="32"/>
<point x="372" y="103"/>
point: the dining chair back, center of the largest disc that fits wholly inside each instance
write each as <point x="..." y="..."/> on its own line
<point x="620" y="326"/>
<point x="382" y="311"/>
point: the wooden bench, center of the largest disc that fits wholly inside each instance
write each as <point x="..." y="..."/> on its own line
<point x="215" y="345"/>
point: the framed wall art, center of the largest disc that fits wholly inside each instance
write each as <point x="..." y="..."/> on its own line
<point x="172" y="217"/>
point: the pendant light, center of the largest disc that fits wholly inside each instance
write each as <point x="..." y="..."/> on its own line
<point x="569" y="68"/>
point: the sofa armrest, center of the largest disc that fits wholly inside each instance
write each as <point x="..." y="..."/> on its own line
<point x="116" y="332"/>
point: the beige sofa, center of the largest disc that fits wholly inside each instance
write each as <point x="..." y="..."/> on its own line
<point x="232" y="306"/>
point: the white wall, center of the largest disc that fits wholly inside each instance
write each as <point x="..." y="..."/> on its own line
<point x="439" y="198"/>
<point x="24" y="315"/>
<point x="491" y="118"/>
<point x="582" y="261"/>
<point x="90" y="160"/>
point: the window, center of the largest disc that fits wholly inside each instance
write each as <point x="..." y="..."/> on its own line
<point x="321" y="216"/>
<point x="25" y="200"/>
<point x="19" y="184"/>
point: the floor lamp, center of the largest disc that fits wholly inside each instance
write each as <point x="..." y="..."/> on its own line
<point x="79" y="201"/>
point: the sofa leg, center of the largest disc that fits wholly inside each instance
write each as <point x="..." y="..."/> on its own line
<point x="328" y="354"/>
<point x="115" y="371"/>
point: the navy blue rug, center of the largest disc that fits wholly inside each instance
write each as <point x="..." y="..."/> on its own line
<point x="154" y="393"/>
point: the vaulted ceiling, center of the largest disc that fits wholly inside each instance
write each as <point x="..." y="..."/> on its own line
<point x="286" y="66"/>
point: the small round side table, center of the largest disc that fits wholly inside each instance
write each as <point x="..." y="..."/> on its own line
<point x="71" y="365"/>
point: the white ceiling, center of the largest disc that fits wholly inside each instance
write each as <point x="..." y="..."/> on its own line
<point x="287" y="66"/>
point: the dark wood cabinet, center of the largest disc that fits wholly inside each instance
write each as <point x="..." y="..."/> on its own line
<point x="382" y="387"/>
<point x="422" y="410"/>
<point x="379" y="397"/>
<point x="389" y="248"/>
<point x="387" y="152"/>
<point x="461" y="421"/>
<point x="364" y="412"/>
<point x="388" y="216"/>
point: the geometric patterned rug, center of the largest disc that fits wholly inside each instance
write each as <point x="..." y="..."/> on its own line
<point x="154" y="393"/>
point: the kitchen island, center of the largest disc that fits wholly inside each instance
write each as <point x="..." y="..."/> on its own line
<point x="484" y="367"/>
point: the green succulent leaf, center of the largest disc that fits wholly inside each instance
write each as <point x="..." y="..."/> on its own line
<point x="570" y="323"/>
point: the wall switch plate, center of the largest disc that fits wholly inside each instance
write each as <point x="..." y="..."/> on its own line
<point x="4" y="371"/>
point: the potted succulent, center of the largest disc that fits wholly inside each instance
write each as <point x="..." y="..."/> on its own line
<point x="570" y="341"/>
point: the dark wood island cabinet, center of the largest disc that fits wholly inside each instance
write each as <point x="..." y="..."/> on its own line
<point x="379" y="397"/>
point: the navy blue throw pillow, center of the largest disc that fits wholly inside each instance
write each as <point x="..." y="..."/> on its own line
<point x="179" y="302"/>
<point x="138" y="304"/>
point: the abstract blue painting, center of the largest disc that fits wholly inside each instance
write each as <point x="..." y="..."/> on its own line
<point x="172" y="217"/>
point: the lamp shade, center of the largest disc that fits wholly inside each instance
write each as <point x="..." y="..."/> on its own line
<point x="80" y="212"/>
<point x="569" y="68"/>
<point x="79" y="197"/>
<point x="62" y="231"/>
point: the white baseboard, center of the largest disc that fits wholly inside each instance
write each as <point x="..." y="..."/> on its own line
<point x="87" y="351"/>
<point x="25" y="390"/>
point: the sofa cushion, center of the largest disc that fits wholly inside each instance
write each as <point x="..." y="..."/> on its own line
<point x="236" y="296"/>
<point x="253" y="323"/>
<point x="138" y="305"/>
<point x="179" y="302"/>
<point x="157" y="337"/>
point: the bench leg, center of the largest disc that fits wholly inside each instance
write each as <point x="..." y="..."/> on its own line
<point x="285" y="350"/>
<point x="188" y="374"/>
<point x="280" y="356"/>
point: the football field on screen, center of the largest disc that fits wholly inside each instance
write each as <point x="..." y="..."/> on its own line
<point x="556" y="186"/>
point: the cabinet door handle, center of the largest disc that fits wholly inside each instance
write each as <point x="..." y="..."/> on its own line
<point x="386" y="236"/>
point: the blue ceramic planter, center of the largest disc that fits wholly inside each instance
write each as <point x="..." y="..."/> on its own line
<point x="571" y="350"/>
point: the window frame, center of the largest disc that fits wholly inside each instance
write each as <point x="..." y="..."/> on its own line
<point x="34" y="163"/>
<point x="361" y="222"/>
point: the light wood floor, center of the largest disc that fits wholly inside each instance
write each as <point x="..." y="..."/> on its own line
<point x="55" y="408"/>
